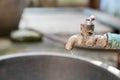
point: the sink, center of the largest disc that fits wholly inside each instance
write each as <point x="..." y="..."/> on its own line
<point x="52" y="66"/>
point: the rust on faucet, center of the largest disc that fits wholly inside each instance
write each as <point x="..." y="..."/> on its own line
<point x="87" y="37"/>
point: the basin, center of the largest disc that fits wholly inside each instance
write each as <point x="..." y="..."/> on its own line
<point x="52" y="66"/>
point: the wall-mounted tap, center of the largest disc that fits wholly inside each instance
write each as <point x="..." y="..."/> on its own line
<point x="87" y="38"/>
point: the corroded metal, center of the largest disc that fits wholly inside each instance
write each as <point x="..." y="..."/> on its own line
<point x="88" y="39"/>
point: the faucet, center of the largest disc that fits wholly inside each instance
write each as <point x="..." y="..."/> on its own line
<point x="87" y="37"/>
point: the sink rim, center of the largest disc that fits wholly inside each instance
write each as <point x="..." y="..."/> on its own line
<point x="99" y="64"/>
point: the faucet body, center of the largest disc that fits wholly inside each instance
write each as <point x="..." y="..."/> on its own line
<point x="87" y="37"/>
<point x="99" y="41"/>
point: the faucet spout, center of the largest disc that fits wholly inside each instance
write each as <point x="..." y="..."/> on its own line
<point x="71" y="42"/>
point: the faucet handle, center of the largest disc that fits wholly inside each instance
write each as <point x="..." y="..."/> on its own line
<point x="87" y="27"/>
<point x="92" y="18"/>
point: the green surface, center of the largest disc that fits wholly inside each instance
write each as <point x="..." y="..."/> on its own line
<point x="113" y="41"/>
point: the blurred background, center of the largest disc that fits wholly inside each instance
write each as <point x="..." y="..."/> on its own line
<point x="45" y="25"/>
<point x="111" y="7"/>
